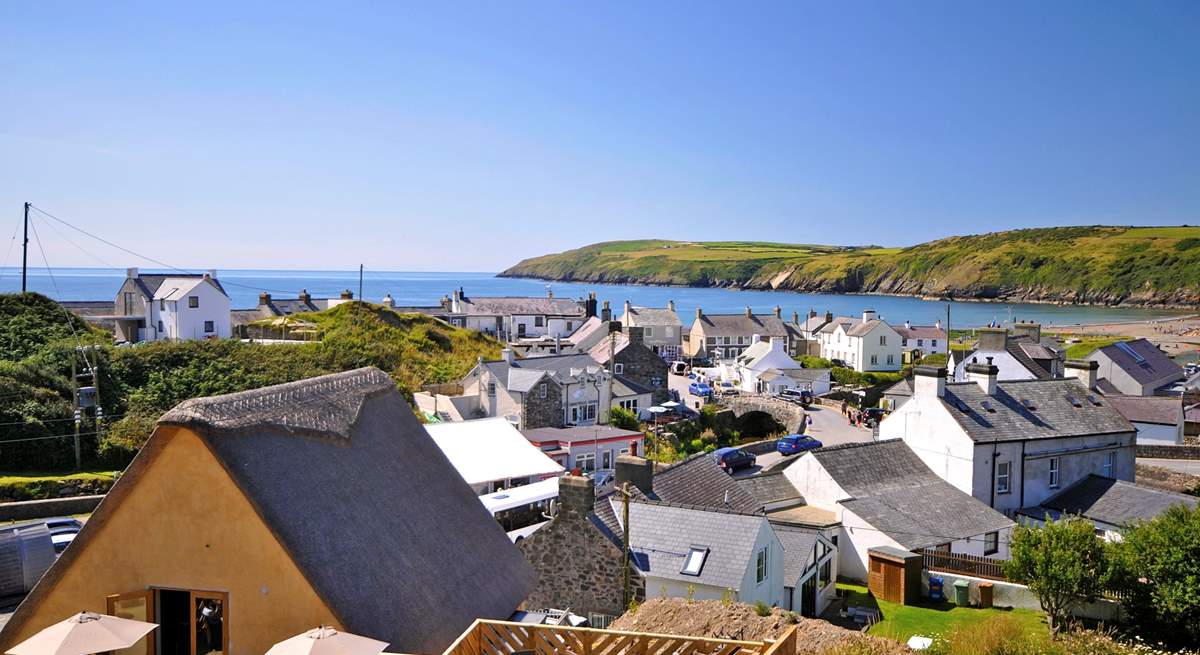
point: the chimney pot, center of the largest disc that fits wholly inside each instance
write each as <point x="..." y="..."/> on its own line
<point x="778" y="311"/>
<point x="749" y="314"/>
<point x="671" y="305"/>
<point x="812" y="313"/>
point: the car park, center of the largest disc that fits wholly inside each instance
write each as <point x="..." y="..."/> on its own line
<point x="732" y="458"/>
<point x="796" y="443"/>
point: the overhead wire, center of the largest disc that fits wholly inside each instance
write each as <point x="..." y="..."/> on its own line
<point x="12" y="242"/>
<point x="70" y="317"/>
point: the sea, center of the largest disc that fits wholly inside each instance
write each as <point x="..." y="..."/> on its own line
<point x="427" y="288"/>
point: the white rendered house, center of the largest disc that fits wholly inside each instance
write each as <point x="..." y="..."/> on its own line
<point x="867" y="344"/>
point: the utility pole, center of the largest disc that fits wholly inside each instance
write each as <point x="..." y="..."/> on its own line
<point x="949" y="345"/>
<point x="78" y="415"/>
<point x="360" y="273"/>
<point x="625" y="544"/>
<point x="25" y="252"/>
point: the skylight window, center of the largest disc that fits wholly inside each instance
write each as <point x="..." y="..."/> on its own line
<point x="1028" y="404"/>
<point x="1074" y="401"/>
<point x="987" y="404"/>
<point x="1093" y="399"/>
<point x="695" y="560"/>
<point x="1125" y="348"/>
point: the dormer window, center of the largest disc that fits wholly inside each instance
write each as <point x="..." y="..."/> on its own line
<point x="694" y="562"/>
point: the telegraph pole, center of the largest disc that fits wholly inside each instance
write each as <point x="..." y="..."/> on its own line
<point x="625" y="596"/>
<point x="25" y="251"/>
<point x="360" y="272"/>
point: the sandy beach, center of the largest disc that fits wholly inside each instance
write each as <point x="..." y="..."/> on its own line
<point x="1175" y="336"/>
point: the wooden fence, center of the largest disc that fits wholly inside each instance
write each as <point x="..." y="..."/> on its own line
<point x="973" y="565"/>
<point x="486" y="637"/>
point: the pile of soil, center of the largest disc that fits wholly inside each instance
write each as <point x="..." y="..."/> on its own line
<point x="1167" y="479"/>
<point x="714" y="619"/>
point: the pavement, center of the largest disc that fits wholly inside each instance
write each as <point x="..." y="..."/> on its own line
<point x="1189" y="466"/>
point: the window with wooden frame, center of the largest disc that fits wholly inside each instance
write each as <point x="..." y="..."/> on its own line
<point x="190" y="622"/>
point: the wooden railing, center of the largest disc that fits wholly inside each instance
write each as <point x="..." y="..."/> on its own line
<point x="973" y="565"/>
<point x="486" y="637"/>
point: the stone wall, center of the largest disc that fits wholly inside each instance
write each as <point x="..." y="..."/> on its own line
<point x="41" y="509"/>
<point x="543" y="412"/>
<point x="1169" y="452"/>
<point x="788" y="414"/>
<point x="577" y="566"/>
<point x="642" y="365"/>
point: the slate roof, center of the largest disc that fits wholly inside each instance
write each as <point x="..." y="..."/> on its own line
<point x="661" y="535"/>
<point x="326" y="463"/>
<point x="1115" y="502"/>
<point x="623" y="386"/>
<point x="771" y="489"/>
<point x="654" y="316"/>
<point x="1052" y="416"/>
<point x="798" y="545"/>
<point x="920" y="332"/>
<point x="575" y="434"/>
<point x="902" y="388"/>
<point x="812" y="323"/>
<point x="175" y="287"/>
<point x="601" y="351"/>
<point x="508" y="305"/>
<point x="863" y="328"/>
<point x="1155" y="364"/>
<point x="150" y="282"/>
<point x="891" y="489"/>
<point x="807" y="374"/>
<point x="699" y="480"/>
<point x="1162" y="410"/>
<point x="521" y="374"/>
<point x="589" y="333"/>
<point x="1015" y="347"/>
<point x="764" y="325"/>
<point x="848" y="321"/>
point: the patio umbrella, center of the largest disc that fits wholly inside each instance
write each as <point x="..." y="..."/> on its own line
<point x="84" y="634"/>
<point x="656" y="409"/>
<point x="671" y="404"/>
<point x="327" y="641"/>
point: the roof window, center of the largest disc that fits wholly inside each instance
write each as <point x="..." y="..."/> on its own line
<point x="1074" y="401"/>
<point x="987" y="404"/>
<point x="1028" y="404"/>
<point x="694" y="561"/>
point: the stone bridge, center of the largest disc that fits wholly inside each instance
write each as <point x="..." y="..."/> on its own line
<point x="788" y="414"/>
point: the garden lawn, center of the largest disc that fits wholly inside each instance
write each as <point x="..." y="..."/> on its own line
<point x="25" y="478"/>
<point x="900" y="622"/>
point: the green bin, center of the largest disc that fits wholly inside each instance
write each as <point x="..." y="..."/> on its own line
<point x="962" y="593"/>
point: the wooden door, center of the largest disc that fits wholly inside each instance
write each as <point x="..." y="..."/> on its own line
<point x="893" y="582"/>
<point x="209" y="622"/>
<point x="138" y="606"/>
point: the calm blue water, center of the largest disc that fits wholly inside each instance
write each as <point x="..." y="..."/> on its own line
<point x="417" y="288"/>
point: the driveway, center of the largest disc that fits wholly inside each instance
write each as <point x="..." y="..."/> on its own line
<point x="1189" y="466"/>
<point x="828" y="426"/>
<point x="680" y="384"/>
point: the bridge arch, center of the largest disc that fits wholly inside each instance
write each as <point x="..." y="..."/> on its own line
<point x="790" y="415"/>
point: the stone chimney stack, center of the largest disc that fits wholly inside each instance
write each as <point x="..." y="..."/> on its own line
<point x="869" y="315"/>
<point x="812" y="313"/>
<point x="506" y="354"/>
<point x="749" y="314"/>
<point x="605" y="312"/>
<point x="131" y="273"/>
<point x="778" y="311"/>
<point x="304" y="297"/>
<point x="796" y="318"/>
<point x="347" y="294"/>
<point x="929" y="381"/>
<point x="993" y="339"/>
<point x="671" y="305"/>
<point x="388" y="302"/>
<point x="264" y="298"/>
<point x="1085" y="370"/>
<point x="1031" y="330"/>
<point x="625" y="310"/>
<point x="636" y="471"/>
<point x="576" y="497"/>
<point x="699" y="314"/>
<point x="828" y="316"/>
<point x="984" y="375"/>
<point x="636" y="334"/>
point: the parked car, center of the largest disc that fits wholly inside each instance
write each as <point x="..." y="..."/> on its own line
<point x="601" y="477"/>
<point x="796" y="443"/>
<point x="872" y="416"/>
<point x="679" y="368"/>
<point x="727" y="388"/>
<point x="732" y="458"/>
<point x="699" y="389"/>
<point x="803" y="397"/>
<point x="63" y="531"/>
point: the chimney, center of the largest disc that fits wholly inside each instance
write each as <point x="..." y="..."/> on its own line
<point x="304" y="297"/>
<point x="207" y="275"/>
<point x="212" y="273"/>
<point x="635" y="334"/>
<point x="907" y="325"/>
<point x="347" y="294"/>
<point x="625" y="311"/>
<point x="929" y="381"/>
<point x="778" y="311"/>
<point x="1083" y="369"/>
<point x="984" y="375"/>
<point x="605" y="312"/>
<point x="507" y="355"/>
<point x="131" y="273"/>
<point x="671" y="305"/>
<point x="795" y="318"/>
<point x="576" y="496"/>
<point x="589" y="305"/>
<point x="636" y="471"/>
<point x="828" y="316"/>
<point x="264" y="298"/>
<point x="388" y="302"/>
<point x="699" y="314"/>
<point x="754" y="338"/>
<point x="812" y="313"/>
<point x="457" y="295"/>
<point x="869" y="315"/>
<point x="993" y="339"/>
<point x="1031" y="330"/>
<point x="937" y="325"/>
<point x="777" y="343"/>
<point x="749" y="314"/>
<point x="549" y="292"/>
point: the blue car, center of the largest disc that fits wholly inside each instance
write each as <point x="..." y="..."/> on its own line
<point x="731" y="458"/>
<point x="796" y="443"/>
<point x="699" y="389"/>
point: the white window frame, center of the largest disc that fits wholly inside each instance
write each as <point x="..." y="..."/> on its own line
<point x="1003" y="477"/>
<point x="693" y="563"/>
<point x="1054" y="472"/>
<point x="760" y="565"/>
<point x="1110" y="461"/>
<point x="585" y="462"/>
<point x="543" y="389"/>
<point x="618" y="368"/>
<point x="606" y="459"/>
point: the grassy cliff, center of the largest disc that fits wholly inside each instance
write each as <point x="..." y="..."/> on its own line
<point x="1093" y="265"/>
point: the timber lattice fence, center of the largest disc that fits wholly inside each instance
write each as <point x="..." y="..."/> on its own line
<point x="972" y="565"/>
<point x="486" y="637"/>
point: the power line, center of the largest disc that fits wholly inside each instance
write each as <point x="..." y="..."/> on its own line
<point x="56" y="436"/>
<point x="69" y="315"/>
<point x="145" y="257"/>
<point x="8" y="254"/>
<point x="55" y="420"/>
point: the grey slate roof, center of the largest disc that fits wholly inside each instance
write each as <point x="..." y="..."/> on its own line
<point x="403" y="553"/>
<point x="699" y="480"/>
<point x="1162" y="410"/>
<point x="892" y="489"/>
<point x="508" y="305"/>
<point x="661" y="535"/>
<point x="1016" y="347"/>
<point x="522" y="374"/>
<point x="764" y="325"/>
<point x="1053" y="414"/>
<point x="798" y="545"/>
<point x="577" y="434"/>
<point x="902" y="388"/>
<point x="920" y="332"/>
<point x="1155" y="364"/>
<point x="150" y="282"/>
<point x="863" y="327"/>
<point x="654" y="316"/>
<point x="847" y="321"/>
<point x="1115" y="502"/>
<point x="771" y="489"/>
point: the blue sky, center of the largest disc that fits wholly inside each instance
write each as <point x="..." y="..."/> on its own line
<point x="456" y="136"/>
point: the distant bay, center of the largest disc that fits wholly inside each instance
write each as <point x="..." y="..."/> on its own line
<point x="427" y="288"/>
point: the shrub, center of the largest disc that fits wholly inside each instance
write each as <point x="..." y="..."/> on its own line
<point x="762" y="609"/>
<point x="623" y="418"/>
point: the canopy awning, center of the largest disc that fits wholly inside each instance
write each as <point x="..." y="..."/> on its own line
<point x="526" y="494"/>
<point x="490" y="450"/>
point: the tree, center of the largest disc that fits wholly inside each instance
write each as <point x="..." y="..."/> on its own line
<point x="1157" y="565"/>
<point x="1062" y="563"/>
<point x="622" y="418"/>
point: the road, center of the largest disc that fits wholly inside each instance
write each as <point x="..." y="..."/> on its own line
<point x="1189" y="466"/>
